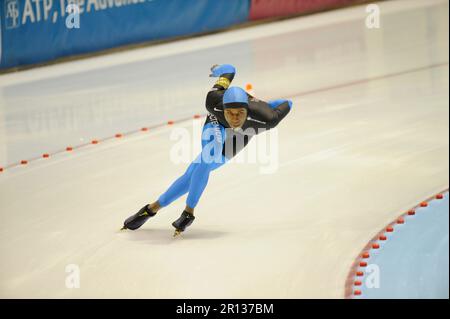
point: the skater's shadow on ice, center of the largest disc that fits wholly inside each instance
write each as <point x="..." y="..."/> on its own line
<point x="165" y="236"/>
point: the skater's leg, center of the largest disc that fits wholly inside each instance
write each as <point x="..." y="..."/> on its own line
<point x="181" y="185"/>
<point x="178" y="188"/>
<point x="211" y="158"/>
<point x="199" y="180"/>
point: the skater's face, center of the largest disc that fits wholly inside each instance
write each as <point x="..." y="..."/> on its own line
<point x="236" y="116"/>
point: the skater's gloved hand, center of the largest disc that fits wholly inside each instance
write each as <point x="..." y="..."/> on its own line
<point x="218" y="70"/>
<point x="275" y="103"/>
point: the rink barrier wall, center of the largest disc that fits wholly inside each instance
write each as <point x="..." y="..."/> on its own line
<point x="38" y="31"/>
<point x="357" y="275"/>
<point x="264" y="9"/>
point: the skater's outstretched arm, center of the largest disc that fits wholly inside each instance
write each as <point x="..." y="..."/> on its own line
<point x="269" y="114"/>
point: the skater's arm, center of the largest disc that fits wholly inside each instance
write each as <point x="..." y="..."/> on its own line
<point x="272" y="116"/>
<point x="223" y="82"/>
<point x="280" y="113"/>
<point x="225" y="74"/>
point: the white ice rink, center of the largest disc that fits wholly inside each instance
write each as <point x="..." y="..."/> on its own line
<point x="367" y="139"/>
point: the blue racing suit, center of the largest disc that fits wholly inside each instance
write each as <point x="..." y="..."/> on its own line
<point x="220" y="143"/>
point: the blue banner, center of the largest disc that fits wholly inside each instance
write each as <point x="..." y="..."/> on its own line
<point x="34" y="31"/>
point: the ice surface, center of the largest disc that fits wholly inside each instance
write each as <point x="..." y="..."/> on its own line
<point x="366" y="140"/>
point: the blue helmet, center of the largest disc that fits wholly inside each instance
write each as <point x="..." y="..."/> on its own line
<point x="235" y="97"/>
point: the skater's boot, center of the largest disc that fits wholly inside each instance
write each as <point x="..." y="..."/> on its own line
<point x="182" y="223"/>
<point x="138" y="219"/>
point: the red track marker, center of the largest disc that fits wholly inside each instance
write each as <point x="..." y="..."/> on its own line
<point x="355" y="276"/>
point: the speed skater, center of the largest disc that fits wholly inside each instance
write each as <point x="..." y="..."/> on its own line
<point x="233" y="118"/>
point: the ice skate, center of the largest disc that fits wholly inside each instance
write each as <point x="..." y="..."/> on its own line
<point x="138" y="219"/>
<point x="182" y="223"/>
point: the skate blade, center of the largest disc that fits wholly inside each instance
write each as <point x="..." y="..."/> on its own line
<point x="177" y="233"/>
<point x="123" y="228"/>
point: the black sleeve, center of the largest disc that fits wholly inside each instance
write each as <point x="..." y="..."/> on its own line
<point x="268" y="117"/>
<point x="279" y="113"/>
